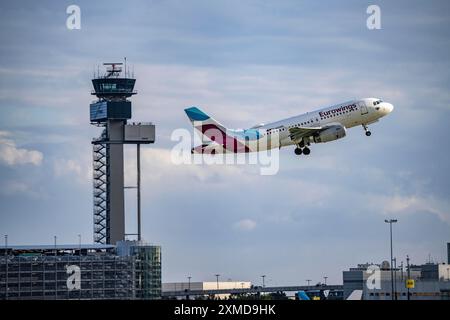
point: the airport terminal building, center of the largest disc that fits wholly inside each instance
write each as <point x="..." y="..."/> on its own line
<point x="130" y="270"/>
<point x="431" y="282"/>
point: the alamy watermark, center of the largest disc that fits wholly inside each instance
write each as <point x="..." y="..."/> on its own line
<point x="74" y="277"/>
<point x="226" y="149"/>
<point x="374" y="277"/>
<point x="374" y="20"/>
<point x="73" y="21"/>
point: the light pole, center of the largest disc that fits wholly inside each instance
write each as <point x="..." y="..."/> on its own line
<point x="6" y="258"/>
<point x="325" y="280"/>
<point x="217" y="280"/>
<point x="401" y="270"/>
<point x="56" y="271"/>
<point x="308" y="281"/>
<point x="79" y="252"/>
<point x="189" y="283"/>
<point x="391" y="221"/>
<point x="263" y="276"/>
<point x="395" y="278"/>
<point x="409" y="274"/>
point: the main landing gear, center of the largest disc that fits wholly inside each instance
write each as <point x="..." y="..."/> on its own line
<point x="366" y="129"/>
<point x="302" y="149"/>
<point x="298" y="151"/>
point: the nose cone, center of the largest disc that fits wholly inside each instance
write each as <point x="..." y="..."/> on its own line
<point x="389" y="107"/>
<point x="386" y="108"/>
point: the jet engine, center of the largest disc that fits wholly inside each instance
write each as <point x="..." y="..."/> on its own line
<point x="331" y="133"/>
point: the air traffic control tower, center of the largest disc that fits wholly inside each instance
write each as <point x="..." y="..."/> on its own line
<point x="112" y="111"/>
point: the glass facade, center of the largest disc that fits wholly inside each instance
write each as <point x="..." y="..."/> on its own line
<point x="148" y="271"/>
<point x="109" y="87"/>
<point x="91" y="275"/>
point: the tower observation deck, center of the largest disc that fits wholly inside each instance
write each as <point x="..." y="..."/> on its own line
<point x="112" y="111"/>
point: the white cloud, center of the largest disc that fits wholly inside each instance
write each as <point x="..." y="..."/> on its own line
<point x="13" y="187"/>
<point x="245" y="225"/>
<point x="411" y="204"/>
<point x="16" y="187"/>
<point x="67" y="167"/>
<point x="157" y="167"/>
<point x="11" y="155"/>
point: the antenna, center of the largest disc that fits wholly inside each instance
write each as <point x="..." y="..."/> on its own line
<point x="113" y="69"/>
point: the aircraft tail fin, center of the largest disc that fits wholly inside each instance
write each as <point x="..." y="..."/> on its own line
<point x="215" y="132"/>
<point x="302" y="295"/>
<point x="201" y="121"/>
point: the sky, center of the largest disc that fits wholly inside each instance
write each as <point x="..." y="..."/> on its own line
<point x="244" y="62"/>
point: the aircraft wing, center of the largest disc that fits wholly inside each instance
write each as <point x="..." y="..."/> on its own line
<point x="297" y="134"/>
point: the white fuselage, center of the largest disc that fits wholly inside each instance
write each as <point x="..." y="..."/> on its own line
<point x="323" y="125"/>
<point x="348" y="114"/>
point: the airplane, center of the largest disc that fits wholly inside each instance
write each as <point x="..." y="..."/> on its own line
<point x="320" y="126"/>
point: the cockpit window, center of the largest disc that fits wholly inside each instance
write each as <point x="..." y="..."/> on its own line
<point x="377" y="102"/>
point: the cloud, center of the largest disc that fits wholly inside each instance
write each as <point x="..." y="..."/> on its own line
<point x="245" y="225"/>
<point x="11" y="155"/>
<point x="13" y="187"/>
<point x="17" y="187"/>
<point x="157" y="167"/>
<point x="412" y="204"/>
<point x="67" y="167"/>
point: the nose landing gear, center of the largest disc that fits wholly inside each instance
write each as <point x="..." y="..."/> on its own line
<point x="366" y="129"/>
